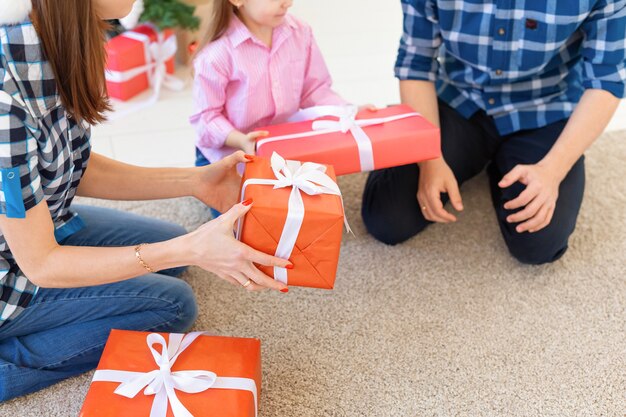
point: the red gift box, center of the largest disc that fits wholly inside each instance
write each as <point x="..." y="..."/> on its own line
<point x="151" y="374"/>
<point x="129" y="59"/>
<point x="352" y="142"/>
<point x="314" y="220"/>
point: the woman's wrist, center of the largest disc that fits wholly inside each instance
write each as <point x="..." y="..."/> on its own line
<point x="169" y="254"/>
<point x="195" y="182"/>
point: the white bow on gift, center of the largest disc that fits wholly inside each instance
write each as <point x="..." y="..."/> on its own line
<point x="347" y="123"/>
<point x="157" y="55"/>
<point x="309" y="177"/>
<point x="162" y="382"/>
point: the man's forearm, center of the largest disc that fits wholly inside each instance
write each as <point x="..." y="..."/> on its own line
<point x="589" y="119"/>
<point x="422" y="97"/>
<point x="113" y="180"/>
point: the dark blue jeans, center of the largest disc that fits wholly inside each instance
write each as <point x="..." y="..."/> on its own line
<point x="392" y="214"/>
<point x="63" y="331"/>
<point x="201" y="161"/>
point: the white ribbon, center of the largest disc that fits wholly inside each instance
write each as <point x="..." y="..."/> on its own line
<point x="162" y="382"/>
<point x="308" y="177"/>
<point x="157" y="54"/>
<point x="347" y="123"/>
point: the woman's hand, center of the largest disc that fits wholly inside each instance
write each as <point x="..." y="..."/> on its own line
<point x="217" y="185"/>
<point x="213" y="248"/>
<point x="436" y="177"/>
<point x="538" y="199"/>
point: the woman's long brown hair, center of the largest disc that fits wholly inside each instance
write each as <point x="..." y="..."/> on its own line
<point x="221" y="15"/>
<point x="72" y="38"/>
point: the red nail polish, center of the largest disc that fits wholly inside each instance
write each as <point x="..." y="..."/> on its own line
<point x="285" y="290"/>
<point x="290" y="266"/>
<point x="249" y="157"/>
<point x="247" y="202"/>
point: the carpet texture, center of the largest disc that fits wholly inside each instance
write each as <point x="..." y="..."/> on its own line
<point x="446" y="324"/>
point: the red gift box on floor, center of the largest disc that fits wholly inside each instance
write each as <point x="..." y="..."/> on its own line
<point x="131" y="60"/>
<point x="354" y="142"/>
<point x="160" y="374"/>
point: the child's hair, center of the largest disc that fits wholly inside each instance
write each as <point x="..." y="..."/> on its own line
<point x="72" y="38"/>
<point x="221" y="15"/>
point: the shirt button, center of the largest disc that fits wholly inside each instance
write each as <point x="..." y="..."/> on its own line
<point x="11" y="175"/>
<point x="492" y="101"/>
<point x="498" y="72"/>
<point x="501" y="31"/>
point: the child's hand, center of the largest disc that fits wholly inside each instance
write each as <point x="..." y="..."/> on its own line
<point x="245" y="142"/>
<point x="249" y="143"/>
<point x="369" y="107"/>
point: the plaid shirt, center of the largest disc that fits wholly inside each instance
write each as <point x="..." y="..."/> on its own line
<point x="524" y="63"/>
<point x="43" y="153"/>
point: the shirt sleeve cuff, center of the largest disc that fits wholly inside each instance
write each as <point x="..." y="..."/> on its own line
<point x="213" y="133"/>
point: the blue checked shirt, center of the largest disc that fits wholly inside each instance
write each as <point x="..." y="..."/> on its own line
<point x="525" y="63"/>
<point x="43" y="153"/>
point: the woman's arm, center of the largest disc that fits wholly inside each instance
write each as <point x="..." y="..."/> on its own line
<point x="216" y="185"/>
<point x="212" y="247"/>
<point x="109" y="179"/>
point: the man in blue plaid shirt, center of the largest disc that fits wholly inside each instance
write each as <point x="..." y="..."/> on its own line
<point x="519" y="87"/>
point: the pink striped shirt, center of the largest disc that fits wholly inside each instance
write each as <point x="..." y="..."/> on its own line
<point x="241" y="84"/>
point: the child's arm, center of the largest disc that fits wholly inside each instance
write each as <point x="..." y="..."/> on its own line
<point x="209" y="98"/>
<point x="317" y="81"/>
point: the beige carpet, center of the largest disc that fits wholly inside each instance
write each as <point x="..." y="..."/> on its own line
<point x="447" y="324"/>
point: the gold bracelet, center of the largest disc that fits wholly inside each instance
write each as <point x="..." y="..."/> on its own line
<point x="141" y="261"/>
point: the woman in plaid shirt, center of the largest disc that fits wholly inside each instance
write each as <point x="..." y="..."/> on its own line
<point x="519" y="87"/>
<point x="70" y="274"/>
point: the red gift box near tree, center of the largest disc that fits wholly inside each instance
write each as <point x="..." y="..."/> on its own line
<point x="129" y="60"/>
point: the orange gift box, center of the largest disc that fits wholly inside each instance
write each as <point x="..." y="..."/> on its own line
<point x="227" y="357"/>
<point x="316" y="251"/>
<point x="129" y="51"/>
<point x="395" y="142"/>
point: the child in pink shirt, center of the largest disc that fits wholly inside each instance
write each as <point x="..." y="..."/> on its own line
<point x="258" y="66"/>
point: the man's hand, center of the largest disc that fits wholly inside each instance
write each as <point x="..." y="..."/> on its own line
<point x="538" y="199"/>
<point x="436" y="177"/>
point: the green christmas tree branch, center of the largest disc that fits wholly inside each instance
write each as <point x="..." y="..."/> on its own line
<point x="170" y="14"/>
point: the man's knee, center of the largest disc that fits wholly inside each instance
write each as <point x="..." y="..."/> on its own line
<point x="390" y="230"/>
<point x="542" y="247"/>
<point x="390" y="210"/>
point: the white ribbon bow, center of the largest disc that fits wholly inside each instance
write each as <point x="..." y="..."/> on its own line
<point x="157" y="55"/>
<point x="162" y="382"/>
<point x="308" y="177"/>
<point x="347" y="123"/>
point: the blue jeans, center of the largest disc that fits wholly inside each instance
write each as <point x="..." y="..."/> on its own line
<point x="201" y="161"/>
<point x="63" y="331"/>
